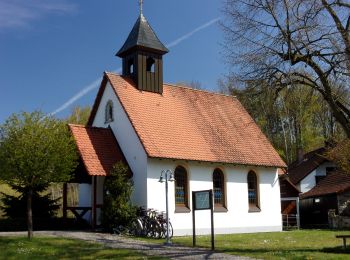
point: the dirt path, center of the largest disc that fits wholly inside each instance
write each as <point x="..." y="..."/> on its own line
<point x="150" y="249"/>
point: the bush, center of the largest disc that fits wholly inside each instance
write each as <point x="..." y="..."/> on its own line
<point x="16" y="207"/>
<point x="117" y="209"/>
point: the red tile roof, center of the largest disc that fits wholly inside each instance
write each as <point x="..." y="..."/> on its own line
<point x="298" y="171"/>
<point x="334" y="183"/>
<point x="189" y="124"/>
<point x="98" y="148"/>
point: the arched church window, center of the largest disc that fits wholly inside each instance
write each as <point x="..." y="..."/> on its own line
<point x="150" y="64"/>
<point x="253" y="192"/>
<point x="109" y="112"/>
<point x="181" y="188"/>
<point x="219" y="188"/>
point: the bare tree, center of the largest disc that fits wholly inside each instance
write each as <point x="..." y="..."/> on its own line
<point x="293" y="42"/>
<point x="192" y="84"/>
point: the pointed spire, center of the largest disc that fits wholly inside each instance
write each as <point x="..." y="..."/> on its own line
<point x="141" y="6"/>
<point x="142" y="55"/>
<point x="142" y="36"/>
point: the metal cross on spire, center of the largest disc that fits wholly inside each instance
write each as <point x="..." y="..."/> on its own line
<point x="141" y="6"/>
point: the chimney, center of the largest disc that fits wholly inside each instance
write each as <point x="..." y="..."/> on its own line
<point x="300" y="154"/>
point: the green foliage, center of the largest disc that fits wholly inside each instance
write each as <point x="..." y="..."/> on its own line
<point x="79" y="115"/>
<point x="35" y="150"/>
<point x="15" y="206"/>
<point x="294" y="118"/>
<point x="117" y="208"/>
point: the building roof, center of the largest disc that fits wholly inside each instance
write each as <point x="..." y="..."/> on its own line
<point x="98" y="148"/>
<point x="281" y="171"/>
<point x="287" y="188"/>
<point x="299" y="170"/>
<point x="334" y="183"/>
<point x="189" y="124"/>
<point x="142" y="35"/>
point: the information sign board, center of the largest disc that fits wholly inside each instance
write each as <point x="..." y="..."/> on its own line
<point x="202" y="200"/>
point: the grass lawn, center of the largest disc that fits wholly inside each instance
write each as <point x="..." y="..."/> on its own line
<point x="302" y="244"/>
<point x="61" y="248"/>
<point x="299" y="244"/>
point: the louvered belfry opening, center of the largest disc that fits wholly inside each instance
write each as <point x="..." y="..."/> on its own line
<point x="142" y="55"/>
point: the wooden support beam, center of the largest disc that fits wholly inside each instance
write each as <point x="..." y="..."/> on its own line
<point x="94" y="186"/>
<point x="64" y="201"/>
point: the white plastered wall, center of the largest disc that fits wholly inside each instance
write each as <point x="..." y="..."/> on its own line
<point x="85" y="199"/>
<point x="237" y="219"/>
<point x="150" y="193"/>
<point x="128" y="141"/>
<point x="309" y="181"/>
<point x="321" y="170"/>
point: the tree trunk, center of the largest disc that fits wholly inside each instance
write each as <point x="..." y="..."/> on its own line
<point x="338" y="114"/>
<point x="29" y="214"/>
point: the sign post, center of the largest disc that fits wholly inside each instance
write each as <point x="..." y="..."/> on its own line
<point x="203" y="200"/>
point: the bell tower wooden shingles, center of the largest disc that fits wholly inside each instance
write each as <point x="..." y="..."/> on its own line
<point x="142" y="55"/>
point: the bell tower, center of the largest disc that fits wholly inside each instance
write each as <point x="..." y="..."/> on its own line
<point x="142" y="55"/>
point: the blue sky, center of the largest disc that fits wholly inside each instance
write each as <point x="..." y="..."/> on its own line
<point x="52" y="50"/>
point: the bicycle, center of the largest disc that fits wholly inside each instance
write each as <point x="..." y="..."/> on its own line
<point x="163" y="222"/>
<point x="150" y="223"/>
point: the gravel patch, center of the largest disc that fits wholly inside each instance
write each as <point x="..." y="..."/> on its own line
<point x="150" y="249"/>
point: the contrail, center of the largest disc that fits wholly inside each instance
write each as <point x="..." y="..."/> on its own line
<point x="95" y="84"/>
<point x="80" y="94"/>
<point x="188" y="35"/>
<point x="77" y="96"/>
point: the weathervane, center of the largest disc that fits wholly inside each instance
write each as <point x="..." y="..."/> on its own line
<point x="140" y="3"/>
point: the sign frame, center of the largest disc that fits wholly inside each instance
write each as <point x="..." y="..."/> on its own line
<point x="210" y="207"/>
<point x="201" y="197"/>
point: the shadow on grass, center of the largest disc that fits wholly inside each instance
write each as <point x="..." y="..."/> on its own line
<point x="294" y="253"/>
<point x="49" y="248"/>
<point x="285" y="252"/>
<point x="20" y="224"/>
<point x="173" y="252"/>
<point x="336" y="250"/>
<point x="266" y="251"/>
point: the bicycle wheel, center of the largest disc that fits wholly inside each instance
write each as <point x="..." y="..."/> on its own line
<point x="155" y="229"/>
<point x="136" y="227"/>
<point x="165" y="230"/>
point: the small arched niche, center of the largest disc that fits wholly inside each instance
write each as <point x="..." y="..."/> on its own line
<point x="150" y="65"/>
<point x="109" y="112"/>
